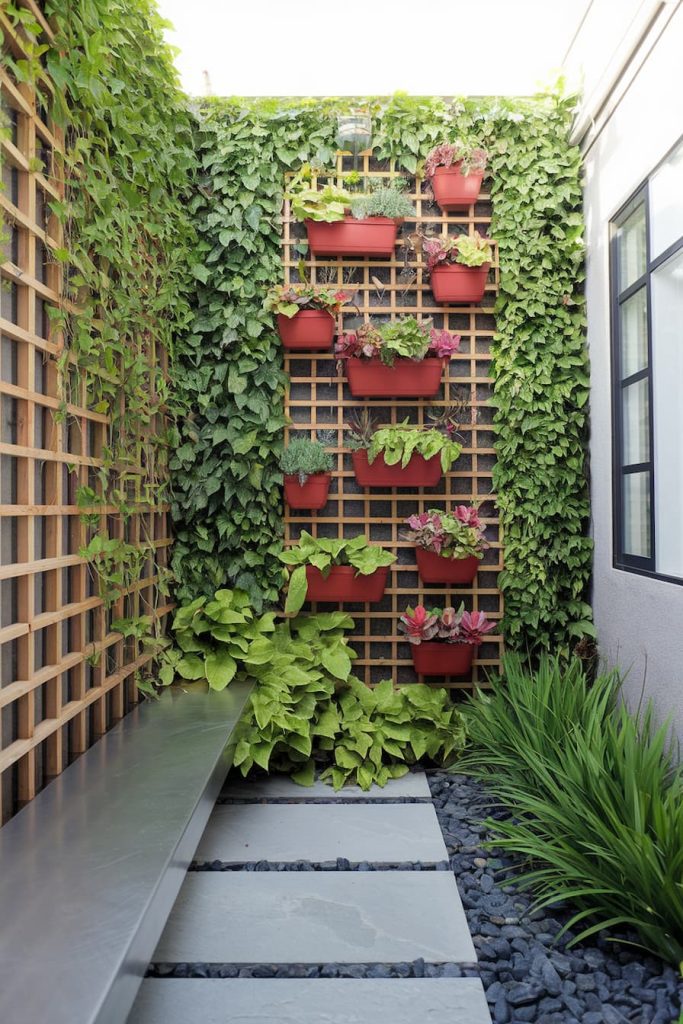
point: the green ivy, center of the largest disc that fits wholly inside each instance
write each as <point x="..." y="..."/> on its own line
<point x="228" y="505"/>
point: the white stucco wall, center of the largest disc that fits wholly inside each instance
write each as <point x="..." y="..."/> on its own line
<point x="639" y="620"/>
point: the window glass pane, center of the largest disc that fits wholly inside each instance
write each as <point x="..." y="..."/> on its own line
<point x="667" y="391"/>
<point x="666" y="203"/>
<point x="633" y="333"/>
<point x="637" y="514"/>
<point x="631" y="244"/>
<point x="635" y="420"/>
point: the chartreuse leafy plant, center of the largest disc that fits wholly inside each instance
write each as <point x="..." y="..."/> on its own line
<point x="406" y="338"/>
<point x="214" y="637"/>
<point x="396" y="444"/>
<point x="596" y="799"/>
<point x="230" y="373"/>
<point x="381" y="731"/>
<point x="323" y="553"/>
<point x="288" y="300"/>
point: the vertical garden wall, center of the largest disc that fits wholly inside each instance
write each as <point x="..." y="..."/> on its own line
<point x="228" y="511"/>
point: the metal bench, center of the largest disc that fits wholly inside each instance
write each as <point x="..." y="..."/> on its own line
<point x="91" y="868"/>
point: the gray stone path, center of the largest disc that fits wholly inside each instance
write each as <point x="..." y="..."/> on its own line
<point x="317" y="917"/>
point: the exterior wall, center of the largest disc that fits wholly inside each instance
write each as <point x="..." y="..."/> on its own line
<point x="639" y="620"/>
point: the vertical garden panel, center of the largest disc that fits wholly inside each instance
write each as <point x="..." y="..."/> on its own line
<point x="318" y="399"/>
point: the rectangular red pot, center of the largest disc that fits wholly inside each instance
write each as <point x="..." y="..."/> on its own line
<point x="370" y="378"/>
<point x="310" y="329"/>
<point x="310" y="495"/>
<point x="342" y="584"/>
<point x="454" y="190"/>
<point x="419" y="472"/>
<point x="435" y="568"/>
<point x="374" y="236"/>
<point x="454" y="283"/>
<point x="434" y="658"/>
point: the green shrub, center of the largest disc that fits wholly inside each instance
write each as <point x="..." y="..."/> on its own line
<point x="323" y="553"/>
<point x="596" y="796"/>
<point x="384" y="201"/>
<point x="304" y="457"/>
<point x="398" y="443"/>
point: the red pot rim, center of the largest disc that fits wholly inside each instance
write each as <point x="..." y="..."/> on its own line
<point x="460" y="267"/>
<point x="355" y="220"/>
<point x="308" y="312"/>
<point x="294" y="477"/>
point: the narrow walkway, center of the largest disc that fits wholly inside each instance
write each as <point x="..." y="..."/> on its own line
<point x="306" y="906"/>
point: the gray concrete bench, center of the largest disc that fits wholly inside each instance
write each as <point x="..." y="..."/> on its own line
<point x="90" y="869"/>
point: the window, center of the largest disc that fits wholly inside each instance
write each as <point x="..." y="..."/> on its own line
<point x="647" y="375"/>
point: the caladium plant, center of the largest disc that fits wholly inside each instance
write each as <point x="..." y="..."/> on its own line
<point x="456" y="534"/>
<point x="471" y="158"/>
<point x="288" y="300"/>
<point x="467" y="250"/>
<point x="446" y="624"/>
<point x="407" y="338"/>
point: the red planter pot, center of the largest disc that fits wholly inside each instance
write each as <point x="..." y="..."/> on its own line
<point x="311" y="495"/>
<point x="419" y="472"/>
<point x="342" y="584"/>
<point x="435" y="568"/>
<point x="454" y="190"/>
<point x="311" y="330"/>
<point x="432" y="658"/>
<point x="370" y="378"/>
<point x="374" y="236"/>
<point x="455" y="283"/>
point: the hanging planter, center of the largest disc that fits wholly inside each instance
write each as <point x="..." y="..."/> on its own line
<point x="344" y="584"/>
<point x="310" y="495"/>
<point x="437" y="569"/>
<point x="432" y="658"/>
<point x="455" y="283"/>
<point x="371" y="378"/>
<point x="311" y="330"/>
<point x="372" y="236"/>
<point x="419" y="472"/>
<point x="454" y="190"/>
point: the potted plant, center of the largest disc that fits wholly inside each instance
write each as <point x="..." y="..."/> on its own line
<point x="305" y="314"/>
<point x="443" y="641"/>
<point x="400" y="455"/>
<point x="306" y="467"/>
<point x="401" y="359"/>
<point x="448" y="545"/>
<point x="335" y="570"/>
<point x="455" y="172"/>
<point x="343" y="223"/>
<point x="458" y="266"/>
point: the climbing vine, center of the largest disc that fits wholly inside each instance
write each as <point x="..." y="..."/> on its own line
<point x="227" y="499"/>
<point x="108" y="81"/>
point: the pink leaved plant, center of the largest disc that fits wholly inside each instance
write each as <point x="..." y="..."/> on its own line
<point x="472" y="158"/>
<point x="444" y="624"/>
<point x="455" y="534"/>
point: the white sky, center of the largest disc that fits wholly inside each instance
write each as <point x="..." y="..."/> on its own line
<point x="370" y="47"/>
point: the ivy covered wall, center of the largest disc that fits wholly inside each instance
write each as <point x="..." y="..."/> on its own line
<point x="227" y="508"/>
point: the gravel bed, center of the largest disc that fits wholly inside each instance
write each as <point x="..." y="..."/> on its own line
<point x="303" y="799"/>
<point x="416" y="969"/>
<point x="529" y="974"/>
<point x="340" y="864"/>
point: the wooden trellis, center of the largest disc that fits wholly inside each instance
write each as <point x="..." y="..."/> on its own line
<point x="65" y="676"/>
<point x="319" y="399"/>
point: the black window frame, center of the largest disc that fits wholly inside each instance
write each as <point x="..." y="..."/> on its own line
<point x="620" y="559"/>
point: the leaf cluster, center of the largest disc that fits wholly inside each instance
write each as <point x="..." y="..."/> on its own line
<point x="325" y="552"/>
<point x="304" y="457"/>
<point x="597" y="799"/>
<point x="399" y="442"/>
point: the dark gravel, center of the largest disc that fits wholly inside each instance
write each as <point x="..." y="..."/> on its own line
<point x="528" y="973"/>
<point x="416" y="969"/>
<point x="340" y="864"/>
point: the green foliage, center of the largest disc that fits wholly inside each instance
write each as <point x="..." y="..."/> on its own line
<point x="291" y="299"/>
<point x="597" y="799"/>
<point x="323" y="553"/>
<point x="398" y="443"/>
<point x="380" y="731"/>
<point x="230" y="376"/>
<point x="387" y="200"/>
<point x="303" y="456"/>
<point x="214" y="637"/>
<point x="328" y="204"/>
<point x="404" y="339"/>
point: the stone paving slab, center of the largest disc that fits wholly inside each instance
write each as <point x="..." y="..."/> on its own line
<point x="379" y="833"/>
<point x="317" y="1001"/>
<point x="278" y="787"/>
<point x="317" y="917"/>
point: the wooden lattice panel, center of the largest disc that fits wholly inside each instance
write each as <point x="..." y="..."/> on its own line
<point x="65" y="676"/>
<point x="319" y="399"/>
